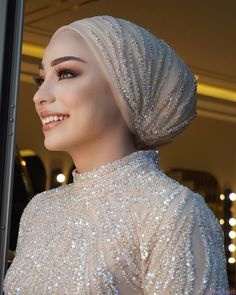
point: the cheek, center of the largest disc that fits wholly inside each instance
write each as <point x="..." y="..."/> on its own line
<point x="103" y="100"/>
<point x="93" y="105"/>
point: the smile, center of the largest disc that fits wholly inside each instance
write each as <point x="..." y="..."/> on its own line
<point x="49" y="119"/>
<point x="52" y="121"/>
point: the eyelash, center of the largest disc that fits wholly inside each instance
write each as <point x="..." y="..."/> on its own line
<point x="39" y="80"/>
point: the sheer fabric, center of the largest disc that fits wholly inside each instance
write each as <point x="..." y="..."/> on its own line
<point x="123" y="228"/>
<point x="152" y="85"/>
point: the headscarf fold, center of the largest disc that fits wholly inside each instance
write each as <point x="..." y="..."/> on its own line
<point x="153" y="87"/>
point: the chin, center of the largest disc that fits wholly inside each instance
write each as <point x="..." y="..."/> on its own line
<point x="62" y="144"/>
<point x="53" y="146"/>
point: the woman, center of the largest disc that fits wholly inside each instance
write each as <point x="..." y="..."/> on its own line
<point x="109" y="94"/>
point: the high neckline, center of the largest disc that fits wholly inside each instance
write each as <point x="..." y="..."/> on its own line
<point x="110" y="168"/>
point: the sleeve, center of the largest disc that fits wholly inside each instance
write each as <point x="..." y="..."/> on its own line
<point x="183" y="253"/>
<point x="25" y="223"/>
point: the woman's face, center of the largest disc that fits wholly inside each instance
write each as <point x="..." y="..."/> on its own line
<point x="72" y="84"/>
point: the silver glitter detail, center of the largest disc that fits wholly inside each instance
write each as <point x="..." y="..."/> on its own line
<point x="107" y="233"/>
<point x="155" y="90"/>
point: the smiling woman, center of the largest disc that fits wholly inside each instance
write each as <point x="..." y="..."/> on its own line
<point x="109" y="93"/>
<point x="74" y="87"/>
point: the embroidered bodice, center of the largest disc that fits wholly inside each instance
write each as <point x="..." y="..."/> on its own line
<point x="122" y="228"/>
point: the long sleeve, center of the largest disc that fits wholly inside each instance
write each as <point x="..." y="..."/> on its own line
<point x="183" y="253"/>
<point x="25" y="222"/>
<point x="107" y="233"/>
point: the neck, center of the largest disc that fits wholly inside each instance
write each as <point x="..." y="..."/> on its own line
<point x="95" y="154"/>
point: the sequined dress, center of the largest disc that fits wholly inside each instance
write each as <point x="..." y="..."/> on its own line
<point x="122" y="228"/>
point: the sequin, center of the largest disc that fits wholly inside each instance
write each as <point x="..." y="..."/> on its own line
<point x="107" y="233"/>
<point x="153" y="87"/>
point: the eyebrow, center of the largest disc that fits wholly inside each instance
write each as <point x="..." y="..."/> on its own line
<point x="62" y="59"/>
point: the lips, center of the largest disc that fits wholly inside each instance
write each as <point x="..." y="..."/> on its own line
<point x="45" y="115"/>
<point x="48" y="114"/>
<point x="51" y="125"/>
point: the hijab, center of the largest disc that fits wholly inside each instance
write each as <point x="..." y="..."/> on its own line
<point x="153" y="87"/>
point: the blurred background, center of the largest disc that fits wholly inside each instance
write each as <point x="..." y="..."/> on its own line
<point x="202" y="158"/>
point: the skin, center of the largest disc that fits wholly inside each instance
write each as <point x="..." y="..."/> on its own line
<point x="95" y="132"/>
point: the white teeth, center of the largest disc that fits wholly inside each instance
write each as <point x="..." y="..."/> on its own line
<point x="52" y="118"/>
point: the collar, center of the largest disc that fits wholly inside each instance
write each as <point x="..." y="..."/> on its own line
<point x="117" y="169"/>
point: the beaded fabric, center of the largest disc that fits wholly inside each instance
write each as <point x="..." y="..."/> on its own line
<point x="124" y="228"/>
<point x="153" y="87"/>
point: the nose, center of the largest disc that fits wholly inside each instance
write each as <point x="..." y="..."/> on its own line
<point x="43" y="95"/>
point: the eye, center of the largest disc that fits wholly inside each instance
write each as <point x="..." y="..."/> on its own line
<point x="61" y="74"/>
<point x="38" y="80"/>
<point x="65" y="74"/>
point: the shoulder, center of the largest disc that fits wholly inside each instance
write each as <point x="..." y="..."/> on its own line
<point x="183" y="233"/>
<point x="162" y="198"/>
<point x="174" y="213"/>
<point x="44" y="199"/>
<point x="155" y="186"/>
<point x="181" y="210"/>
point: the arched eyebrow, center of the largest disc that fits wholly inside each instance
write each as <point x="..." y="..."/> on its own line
<point x="62" y="59"/>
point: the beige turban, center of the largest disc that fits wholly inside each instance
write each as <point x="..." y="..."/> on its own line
<point x="153" y="87"/>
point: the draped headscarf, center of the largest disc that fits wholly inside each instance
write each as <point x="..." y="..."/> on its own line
<point x="153" y="87"/>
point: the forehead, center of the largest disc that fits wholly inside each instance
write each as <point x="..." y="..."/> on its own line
<point x="66" y="43"/>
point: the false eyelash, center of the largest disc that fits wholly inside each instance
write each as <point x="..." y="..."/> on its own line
<point x="65" y="70"/>
<point x="38" y="80"/>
